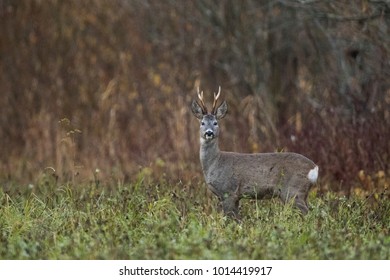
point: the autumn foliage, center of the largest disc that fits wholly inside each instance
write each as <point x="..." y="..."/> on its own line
<point x="102" y="88"/>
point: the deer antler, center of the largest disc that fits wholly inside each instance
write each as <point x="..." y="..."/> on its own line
<point x="216" y="96"/>
<point x="202" y="105"/>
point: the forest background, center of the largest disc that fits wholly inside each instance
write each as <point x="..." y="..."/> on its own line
<point x="100" y="90"/>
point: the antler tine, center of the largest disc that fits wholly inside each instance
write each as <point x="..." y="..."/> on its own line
<point x="216" y="96"/>
<point x="200" y="96"/>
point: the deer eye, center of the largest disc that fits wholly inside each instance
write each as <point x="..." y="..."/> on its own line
<point x="202" y="123"/>
<point x="215" y="123"/>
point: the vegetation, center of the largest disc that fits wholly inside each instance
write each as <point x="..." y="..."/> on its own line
<point x="99" y="150"/>
<point x="161" y="220"/>
<point x="108" y="84"/>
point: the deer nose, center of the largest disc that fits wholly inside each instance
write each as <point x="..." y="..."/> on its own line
<point x="209" y="134"/>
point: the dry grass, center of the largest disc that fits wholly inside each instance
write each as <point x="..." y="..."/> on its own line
<point x="106" y="85"/>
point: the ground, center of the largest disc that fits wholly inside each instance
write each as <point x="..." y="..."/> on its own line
<point x="161" y="220"/>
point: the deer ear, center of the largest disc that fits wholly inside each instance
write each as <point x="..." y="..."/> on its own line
<point x="221" y="111"/>
<point x="197" y="110"/>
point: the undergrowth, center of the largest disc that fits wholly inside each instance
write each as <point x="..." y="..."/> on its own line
<point x="160" y="220"/>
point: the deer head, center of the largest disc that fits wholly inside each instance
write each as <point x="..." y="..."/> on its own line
<point x="209" y="121"/>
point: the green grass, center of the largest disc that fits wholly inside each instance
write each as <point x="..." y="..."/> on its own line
<point x="181" y="221"/>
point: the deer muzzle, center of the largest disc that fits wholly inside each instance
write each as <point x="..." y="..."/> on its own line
<point x="209" y="134"/>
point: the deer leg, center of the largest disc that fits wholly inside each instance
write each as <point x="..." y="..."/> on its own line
<point x="301" y="205"/>
<point x="298" y="194"/>
<point x="301" y="199"/>
<point x="230" y="206"/>
<point x="299" y="202"/>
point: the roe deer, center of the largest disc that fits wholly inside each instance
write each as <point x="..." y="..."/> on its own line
<point x="232" y="176"/>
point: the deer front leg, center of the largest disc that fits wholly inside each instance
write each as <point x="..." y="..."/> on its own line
<point x="230" y="204"/>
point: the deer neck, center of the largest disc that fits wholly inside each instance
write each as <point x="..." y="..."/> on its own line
<point x="209" y="153"/>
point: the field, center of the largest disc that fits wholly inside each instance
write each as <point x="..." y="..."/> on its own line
<point x="99" y="154"/>
<point x="161" y="220"/>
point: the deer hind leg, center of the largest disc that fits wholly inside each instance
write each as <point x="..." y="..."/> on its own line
<point x="298" y="194"/>
<point x="301" y="205"/>
<point x="299" y="201"/>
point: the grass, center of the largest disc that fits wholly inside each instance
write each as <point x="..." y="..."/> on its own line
<point x="159" y="220"/>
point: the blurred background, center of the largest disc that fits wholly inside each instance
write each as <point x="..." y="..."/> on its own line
<point x="102" y="88"/>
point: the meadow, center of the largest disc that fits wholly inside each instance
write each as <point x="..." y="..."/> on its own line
<point x="107" y="86"/>
<point x="151" y="219"/>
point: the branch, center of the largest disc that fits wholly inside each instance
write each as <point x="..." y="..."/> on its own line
<point x="306" y="5"/>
